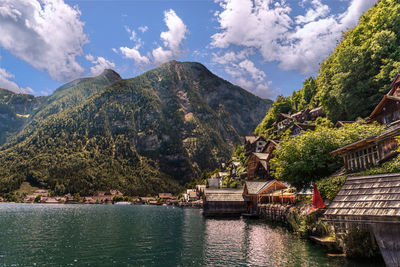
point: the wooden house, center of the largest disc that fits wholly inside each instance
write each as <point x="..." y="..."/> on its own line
<point x="302" y="116"/>
<point x="258" y="166"/>
<point x="223" y="202"/>
<point x="254" y="144"/>
<point x="315" y="113"/>
<point x="388" y="110"/>
<point x="255" y="191"/>
<point x="371" y="202"/>
<point x="214" y="183"/>
<point x="370" y="151"/>
<point x="297" y="128"/>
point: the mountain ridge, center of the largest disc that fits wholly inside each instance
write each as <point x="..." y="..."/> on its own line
<point x="139" y="135"/>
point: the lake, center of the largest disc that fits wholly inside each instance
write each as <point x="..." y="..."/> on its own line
<point x="117" y="235"/>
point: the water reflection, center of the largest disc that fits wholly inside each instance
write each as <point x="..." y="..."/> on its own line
<point x="101" y="235"/>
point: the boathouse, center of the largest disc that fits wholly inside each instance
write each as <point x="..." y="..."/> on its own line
<point x="223" y="202"/>
<point x="258" y="192"/>
<point x="370" y="151"/>
<point x="371" y="202"/>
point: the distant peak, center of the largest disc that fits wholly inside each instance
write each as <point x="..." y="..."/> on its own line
<point x="111" y="74"/>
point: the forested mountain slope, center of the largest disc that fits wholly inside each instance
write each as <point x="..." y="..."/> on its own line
<point x="139" y="135"/>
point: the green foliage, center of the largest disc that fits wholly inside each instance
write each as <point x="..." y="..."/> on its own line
<point x="329" y="187"/>
<point x="118" y="198"/>
<point x="37" y="198"/>
<point x="358" y="243"/>
<point x="141" y="136"/>
<point x="353" y="79"/>
<point x="14" y="110"/>
<point x="306" y="158"/>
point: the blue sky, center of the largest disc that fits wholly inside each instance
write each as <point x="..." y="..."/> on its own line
<point x="267" y="47"/>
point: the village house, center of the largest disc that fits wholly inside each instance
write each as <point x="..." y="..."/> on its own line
<point x="223" y="202"/>
<point x="254" y="144"/>
<point x="372" y="203"/>
<point x="233" y="165"/>
<point x="258" y="165"/>
<point x="259" y="192"/>
<point x="214" y="183"/>
<point x="388" y="109"/>
<point x="370" y="151"/>
<point x="298" y="121"/>
<point x="200" y="189"/>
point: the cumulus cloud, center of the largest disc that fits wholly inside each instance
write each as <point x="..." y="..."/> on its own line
<point x="171" y="47"/>
<point x="47" y="34"/>
<point x="100" y="64"/>
<point x="133" y="53"/>
<point x="6" y="82"/>
<point x="296" y="44"/>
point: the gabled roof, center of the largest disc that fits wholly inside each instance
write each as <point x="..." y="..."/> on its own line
<point x="381" y="104"/>
<point x="376" y="196"/>
<point x="253" y="187"/>
<point x="257" y="187"/>
<point x="391" y="131"/>
<point x="251" y="139"/>
<point x="393" y="85"/>
<point x="261" y="156"/>
<point x="315" y="109"/>
<point x="223" y="194"/>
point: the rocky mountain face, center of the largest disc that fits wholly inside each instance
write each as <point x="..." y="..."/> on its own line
<point x="14" y="112"/>
<point x="140" y="135"/>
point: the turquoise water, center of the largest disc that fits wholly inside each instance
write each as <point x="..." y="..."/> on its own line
<point x="112" y="235"/>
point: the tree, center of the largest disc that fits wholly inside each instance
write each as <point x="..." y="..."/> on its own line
<point x="305" y="158"/>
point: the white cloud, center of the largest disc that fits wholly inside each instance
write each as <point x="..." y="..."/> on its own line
<point x="172" y="42"/>
<point x="6" y="82"/>
<point x="172" y="38"/>
<point x="143" y="28"/>
<point x="133" y="53"/>
<point x="296" y="44"/>
<point x="48" y="34"/>
<point x="100" y="64"/>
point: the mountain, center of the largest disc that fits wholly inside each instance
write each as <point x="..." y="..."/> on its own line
<point x="141" y="135"/>
<point x="63" y="98"/>
<point x="14" y="112"/>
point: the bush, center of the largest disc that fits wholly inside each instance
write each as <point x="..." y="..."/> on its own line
<point x="37" y="198"/>
<point x="329" y="187"/>
<point x="358" y="242"/>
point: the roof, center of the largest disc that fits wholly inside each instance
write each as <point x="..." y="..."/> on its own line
<point x="315" y="109"/>
<point x="192" y="194"/>
<point x="261" y="156"/>
<point x="392" y="130"/>
<point x="253" y="187"/>
<point x="374" y="195"/>
<point x="395" y="81"/>
<point x="224" y="194"/>
<point x="222" y="174"/>
<point x="235" y="163"/>
<point x="382" y="103"/>
<point x="251" y="139"/>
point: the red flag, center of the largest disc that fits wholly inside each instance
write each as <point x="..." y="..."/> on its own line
<point x="317" y="199"/>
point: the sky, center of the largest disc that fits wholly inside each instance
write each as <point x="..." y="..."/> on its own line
<point x="267" y="47"/>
